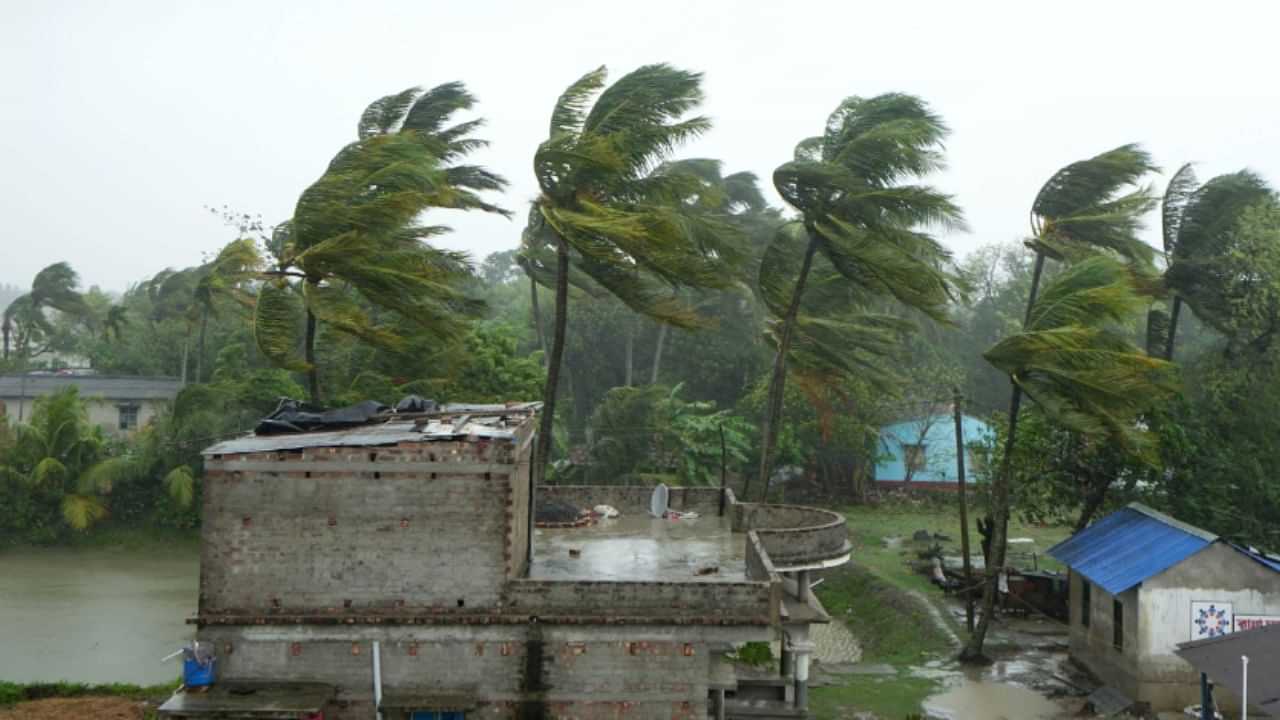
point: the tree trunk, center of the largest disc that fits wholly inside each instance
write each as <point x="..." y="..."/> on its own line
<point x="631" y="353"/>
<point x="8" y="328"/>
<point x="1098" y="485"/>
<point x="543" y="454"/>
<point x="657" y="353"/>
<point x="309" y="354"/>
<point x="972" y="651"/>
<point x="1173" y="327"/>
<point x="204" y="326"/>
<point x="186" y="345"/>
<point x="537" y="318"/>
<point x="777" y="382"/>
<point x="964" y="511"/>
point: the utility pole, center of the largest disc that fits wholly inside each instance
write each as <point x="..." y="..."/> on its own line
<point x="724" y="474"/>
<point x="957" y="405"/>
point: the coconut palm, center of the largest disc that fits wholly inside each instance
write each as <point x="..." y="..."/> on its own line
<point x="53" y="287"/>
<point x="1198" y="224"/>
<point x="1089" y="207"/>
<point x="225" y="276"/>
<point x="862" y="222"/>
<point x="614" y="214"/>
<point x="355" y="242"/>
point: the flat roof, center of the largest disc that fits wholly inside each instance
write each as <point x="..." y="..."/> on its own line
<point x="110" y="387"/>
<point x="455" y="421"/>
<point x="637" y="547"/>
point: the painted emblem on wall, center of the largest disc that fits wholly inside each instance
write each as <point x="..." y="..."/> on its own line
<point x="1210" y="619"/>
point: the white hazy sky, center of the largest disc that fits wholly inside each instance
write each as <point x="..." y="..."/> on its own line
<point x="120" y="120"/>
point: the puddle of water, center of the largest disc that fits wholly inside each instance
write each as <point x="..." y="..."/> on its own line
<point x="970" y="699"/>
<point x="94" y="615"/>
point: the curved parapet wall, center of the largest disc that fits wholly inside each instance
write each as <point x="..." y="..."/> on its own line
<point x="795" y="535"/>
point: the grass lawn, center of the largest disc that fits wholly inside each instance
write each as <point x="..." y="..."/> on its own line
<point x="871" y="596"/>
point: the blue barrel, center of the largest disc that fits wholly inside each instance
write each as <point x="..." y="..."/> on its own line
<point x="197" y="674"/>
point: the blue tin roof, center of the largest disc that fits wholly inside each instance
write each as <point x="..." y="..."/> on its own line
<point x="1129" y="546"/>
<point x="1266" y="559"/>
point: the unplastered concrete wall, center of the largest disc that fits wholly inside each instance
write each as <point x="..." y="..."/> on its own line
<point x="360" y="528"/>
<point x="567" y="672"/>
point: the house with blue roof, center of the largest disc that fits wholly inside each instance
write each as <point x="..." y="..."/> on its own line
<point x="921" y="451"/>
<point x="1142" y="583"/>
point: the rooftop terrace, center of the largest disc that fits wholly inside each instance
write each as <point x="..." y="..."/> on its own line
<point x="638" y="547"/>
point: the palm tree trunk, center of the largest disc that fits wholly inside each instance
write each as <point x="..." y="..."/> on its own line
<point x="309" y="353"/>
<point x="186" y="345"/>
<point x="1173" y="327"/>
<point x="999" y="519"/>
<point x="777" y="382"/>
<point x="631" y="353"/>
<point x="657" y="354"/>
<point x="7" y="329"/>
<point x="204" y="326"/>
<point x="543" y="454"/>
<point x="537" y="318"/>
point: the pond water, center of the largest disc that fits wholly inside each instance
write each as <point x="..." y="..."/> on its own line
<point x="95" y="615"/>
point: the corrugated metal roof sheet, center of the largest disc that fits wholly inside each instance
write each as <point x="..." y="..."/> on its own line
<point x="1129" y="546"/>
<point x="1267" y="559"/>
<point x="91" y="386"/>
<point x="491" y="422"/>
<point x="1219" y="658"/>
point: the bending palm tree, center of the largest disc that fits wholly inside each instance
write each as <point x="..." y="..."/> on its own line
<point x="614" y="219"/>
<point x="863" y="221"/>
<point x="53" y="287"/>
<point x="1086" y="208"/>
<point x="354" y="239"/>
<point x="1197" y="228"/>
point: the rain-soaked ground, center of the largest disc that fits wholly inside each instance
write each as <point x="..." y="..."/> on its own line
<point x="94" y="615"/>
<point x="637" y="547"/>
<point x="1030" y="678"/>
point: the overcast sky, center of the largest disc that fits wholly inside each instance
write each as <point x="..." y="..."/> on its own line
<point x="121" y="120"/>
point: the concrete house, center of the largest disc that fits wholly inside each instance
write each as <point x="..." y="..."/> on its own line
<point x="923" y="450"/>
<point x="118" y="404"/>
<point x="394" y="567"/>
<point x="1142" y="583"/>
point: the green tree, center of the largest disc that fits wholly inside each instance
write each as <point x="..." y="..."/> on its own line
<point x="60" y="457"/>
<point x="53" y="287"/>
<point x="354" y="244"/>
<point x="864" y="223"/>
<point x="615" y="219"/>
<point x="1083" y="374"/>
<point x="1211" y="235"/>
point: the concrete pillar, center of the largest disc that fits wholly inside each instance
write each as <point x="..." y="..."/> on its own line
<point x="784" y="667"/>
<point x="720" y="710"/>
<point x="803" y="652"/>
<point x="802" y="584"/>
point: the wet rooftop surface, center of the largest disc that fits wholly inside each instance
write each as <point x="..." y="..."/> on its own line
<point x="641" y="548"/>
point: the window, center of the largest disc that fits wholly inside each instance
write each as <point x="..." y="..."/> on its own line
<point x="1086" y="601"/>
<point x="128" y="417"/>
<point x="436" y="715"/>
<point x="1117" y="624"/>
<point x="915" y="456"/>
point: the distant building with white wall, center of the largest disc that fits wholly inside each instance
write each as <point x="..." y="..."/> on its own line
<point x="118" y="404"/>
<point x="1142" y="583"/>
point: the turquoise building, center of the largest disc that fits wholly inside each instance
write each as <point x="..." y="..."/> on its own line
<point x="923" y="450"/>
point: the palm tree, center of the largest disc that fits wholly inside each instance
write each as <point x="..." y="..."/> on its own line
<point x="53" y="287"/>
<point x="354" y="241"/>
<point x="61" y="455"/>
<point x="859" y="216"/>
<point x="223" y="277"/>
<point x="1197" y="225"/>
<point x="611" y="216"/>
<point x="1088" y="207"/>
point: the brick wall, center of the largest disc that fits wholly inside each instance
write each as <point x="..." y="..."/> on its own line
<point x="359" y="528"/>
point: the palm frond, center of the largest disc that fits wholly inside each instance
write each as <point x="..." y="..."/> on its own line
<point x="277" y="317"/>
<point x="1176" y="195"/>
